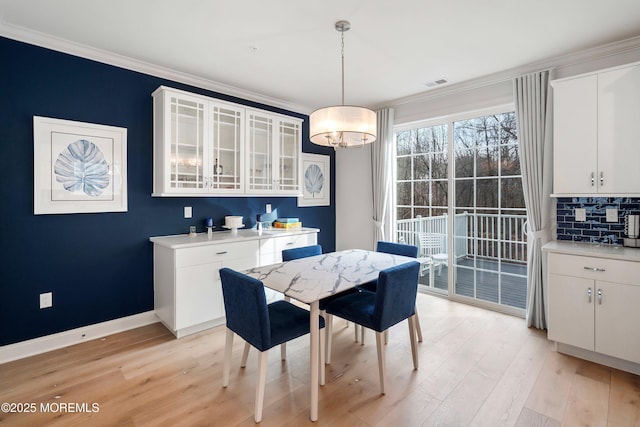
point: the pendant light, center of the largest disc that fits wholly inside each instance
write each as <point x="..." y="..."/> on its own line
<point x="342" y="126"/>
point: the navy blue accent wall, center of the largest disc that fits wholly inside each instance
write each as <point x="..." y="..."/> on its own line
<point x="98" y="266"/>
<point x="595" y="229"/>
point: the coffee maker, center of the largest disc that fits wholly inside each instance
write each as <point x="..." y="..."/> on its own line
<point x="631" y="230"/>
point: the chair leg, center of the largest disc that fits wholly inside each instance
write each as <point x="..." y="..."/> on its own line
<point x="362" y="335"/>
<point x="386" y="337"/>
<point x="323" y="339"/>
<point x="381" y="367"/>
<point x="226" y="366"/>
<point x="262" y="380"/>
<point x="412" y="336"/>
<point x="418" y="328"/>
<point x="283" y="351"/>
<point x="328" y="326"/>
<point x="245" y="355"/>
<point x="355" y="330"/>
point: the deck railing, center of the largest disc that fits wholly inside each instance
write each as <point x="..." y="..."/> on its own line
<point x="496" y="236"/>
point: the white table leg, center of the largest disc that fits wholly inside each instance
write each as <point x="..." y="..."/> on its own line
<point x="315" y="356"/>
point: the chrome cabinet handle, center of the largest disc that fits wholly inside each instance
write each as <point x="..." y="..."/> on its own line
<point x="594" y="269"/>
<point x="593" y="179"/>
<point x="599" y="296"/>
<point x="221" y="253"/>
<point x="601" y="179"/>
<point x="589" y="294"/>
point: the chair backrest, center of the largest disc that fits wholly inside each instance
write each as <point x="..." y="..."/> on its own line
<point x="431" y="244"/>
<point x="302" y="252"/>
<point x="397" y="249"/>
<point x="396" y="294"/>
<point x="246" y="308"/>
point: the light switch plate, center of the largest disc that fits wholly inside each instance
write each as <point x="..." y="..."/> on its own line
<point x="188" y="212"/>
<point x="46" y="300"/>
<point x="612" y="215"/>
<point x="267" y="208"/>
<point x="581" y="214"/>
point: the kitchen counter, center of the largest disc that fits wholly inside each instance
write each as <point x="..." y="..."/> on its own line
<point x="202" y="239"/>
<point x="593" y="250"/>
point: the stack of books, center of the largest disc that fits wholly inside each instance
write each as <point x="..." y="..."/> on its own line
<point x="287" y="223"/>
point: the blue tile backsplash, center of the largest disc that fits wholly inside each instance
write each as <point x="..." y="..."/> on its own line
<point x="595" y="228"/>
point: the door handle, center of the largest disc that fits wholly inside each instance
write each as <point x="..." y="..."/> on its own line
<point x="601" y="179"/>
<point x="594" y="269"/>
<point x="589" y="294"/>
<point x="599" y="296"/>
<point x="593" y="179"/>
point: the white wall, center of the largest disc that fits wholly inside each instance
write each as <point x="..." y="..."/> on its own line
<point x="354" y="199"/>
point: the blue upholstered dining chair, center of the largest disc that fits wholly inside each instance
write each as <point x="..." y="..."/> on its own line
<point x="393" y="302"/>
<point x="301" y="252"/>
<point x="395" y="249"/>
<point x="261" y="325"/>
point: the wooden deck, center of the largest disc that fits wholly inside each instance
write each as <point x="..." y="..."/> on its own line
<point x="513" y="281"/>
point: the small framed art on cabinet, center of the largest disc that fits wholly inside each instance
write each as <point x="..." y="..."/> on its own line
<point x="316" y="180"/>
<point x="78" y="167"/>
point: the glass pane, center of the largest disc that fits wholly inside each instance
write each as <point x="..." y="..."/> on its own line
<point x="439" y="165"/>
<point x="404" y="142"/>
<point x="421" y="166"/>
<point x="464" y="163"/>
<point x="487" y="161"/>
<point x="404" y="213"/>
<point x="510" y="160"/>
<point x="487" y="286"/>
<point x="439" y="193"/>
<point x="403" y="193"/>
<point x="487" y="193"/>
<point x="464" y="193"/>
<point x="511" y="192"/>
<point x="404" y="168"/>
<point x="421" y="193"/>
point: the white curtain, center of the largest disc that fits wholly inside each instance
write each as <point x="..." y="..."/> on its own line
<point x="534" y="120"/>
<point x="381" y="167"/>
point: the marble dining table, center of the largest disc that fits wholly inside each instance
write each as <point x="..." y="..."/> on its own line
<point x="311" y="279"/>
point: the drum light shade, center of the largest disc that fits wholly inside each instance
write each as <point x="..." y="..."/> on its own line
<point x="342" y="126"/>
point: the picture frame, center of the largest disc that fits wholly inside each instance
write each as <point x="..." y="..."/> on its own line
<point x="78" y="167"/>
<point x="316" y="180"/>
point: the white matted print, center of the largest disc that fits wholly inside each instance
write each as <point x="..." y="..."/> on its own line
<point x="78" y="167"/>
<point x="316" y="180"/>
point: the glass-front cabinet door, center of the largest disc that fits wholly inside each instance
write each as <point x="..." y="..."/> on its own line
<point x="289" y="149"/>
<point x="187" y="165"/>
<point x="225" y="152"/>
<point x="273" y="153"/>
<point x="260" y="153"/>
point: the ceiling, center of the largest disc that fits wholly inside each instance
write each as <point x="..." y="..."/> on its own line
<point x="289" y="51"/>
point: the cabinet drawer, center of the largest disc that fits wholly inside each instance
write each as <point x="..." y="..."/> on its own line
<point x="289" y="242"/>
<point x="610" y="270"/>
<point x="216" y="253"/>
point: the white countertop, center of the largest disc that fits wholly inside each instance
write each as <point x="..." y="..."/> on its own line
<point x="593" y="250"/>
<point x="201" y="239"/>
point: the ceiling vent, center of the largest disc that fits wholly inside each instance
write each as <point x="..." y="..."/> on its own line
<point x="437" y="82"/>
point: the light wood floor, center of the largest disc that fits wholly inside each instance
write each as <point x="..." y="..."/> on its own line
<point x="477" y="368"/>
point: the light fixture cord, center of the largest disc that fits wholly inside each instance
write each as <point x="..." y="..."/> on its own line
<point x="342" y="52"/>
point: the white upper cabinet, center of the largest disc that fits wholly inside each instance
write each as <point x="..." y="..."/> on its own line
<point x="273" y="156"/>
<point x="208" y="147"/>
<point x="597" y="133"/>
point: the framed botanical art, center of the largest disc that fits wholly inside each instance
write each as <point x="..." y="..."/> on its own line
<point x="316" y="180"/>
<point x="78" y="167"/>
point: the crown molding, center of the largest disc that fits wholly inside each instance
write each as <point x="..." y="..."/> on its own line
<point x="558" y="62"/>
<point x="99" y="55"/>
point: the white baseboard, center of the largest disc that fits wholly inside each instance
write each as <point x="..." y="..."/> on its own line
<point x="40" y="345"/>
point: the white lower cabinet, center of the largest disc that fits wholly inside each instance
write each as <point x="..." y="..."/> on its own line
<point x="187" y="287"/>
<point x="594" y="304"/>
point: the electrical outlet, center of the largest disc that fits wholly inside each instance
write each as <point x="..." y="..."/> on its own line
<point x="46" y="300"/>
<point x="612" y="215"/>
<point x="188" y="212"/>
<point x="267" y="209"/>
<point x="581" y="214"/>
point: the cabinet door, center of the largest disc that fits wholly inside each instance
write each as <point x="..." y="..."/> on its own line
<point x="198" y="294"/>
<point x="617" y="320"/>
<point x="619" y="130"/>
<point x="571" y="311"/>
<point x="185" y="144"/>
<point x="575" y="119"/>
<point x="225" y="150"/>
<point x="289" y="149"/>
<point x="260" y="149"/>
